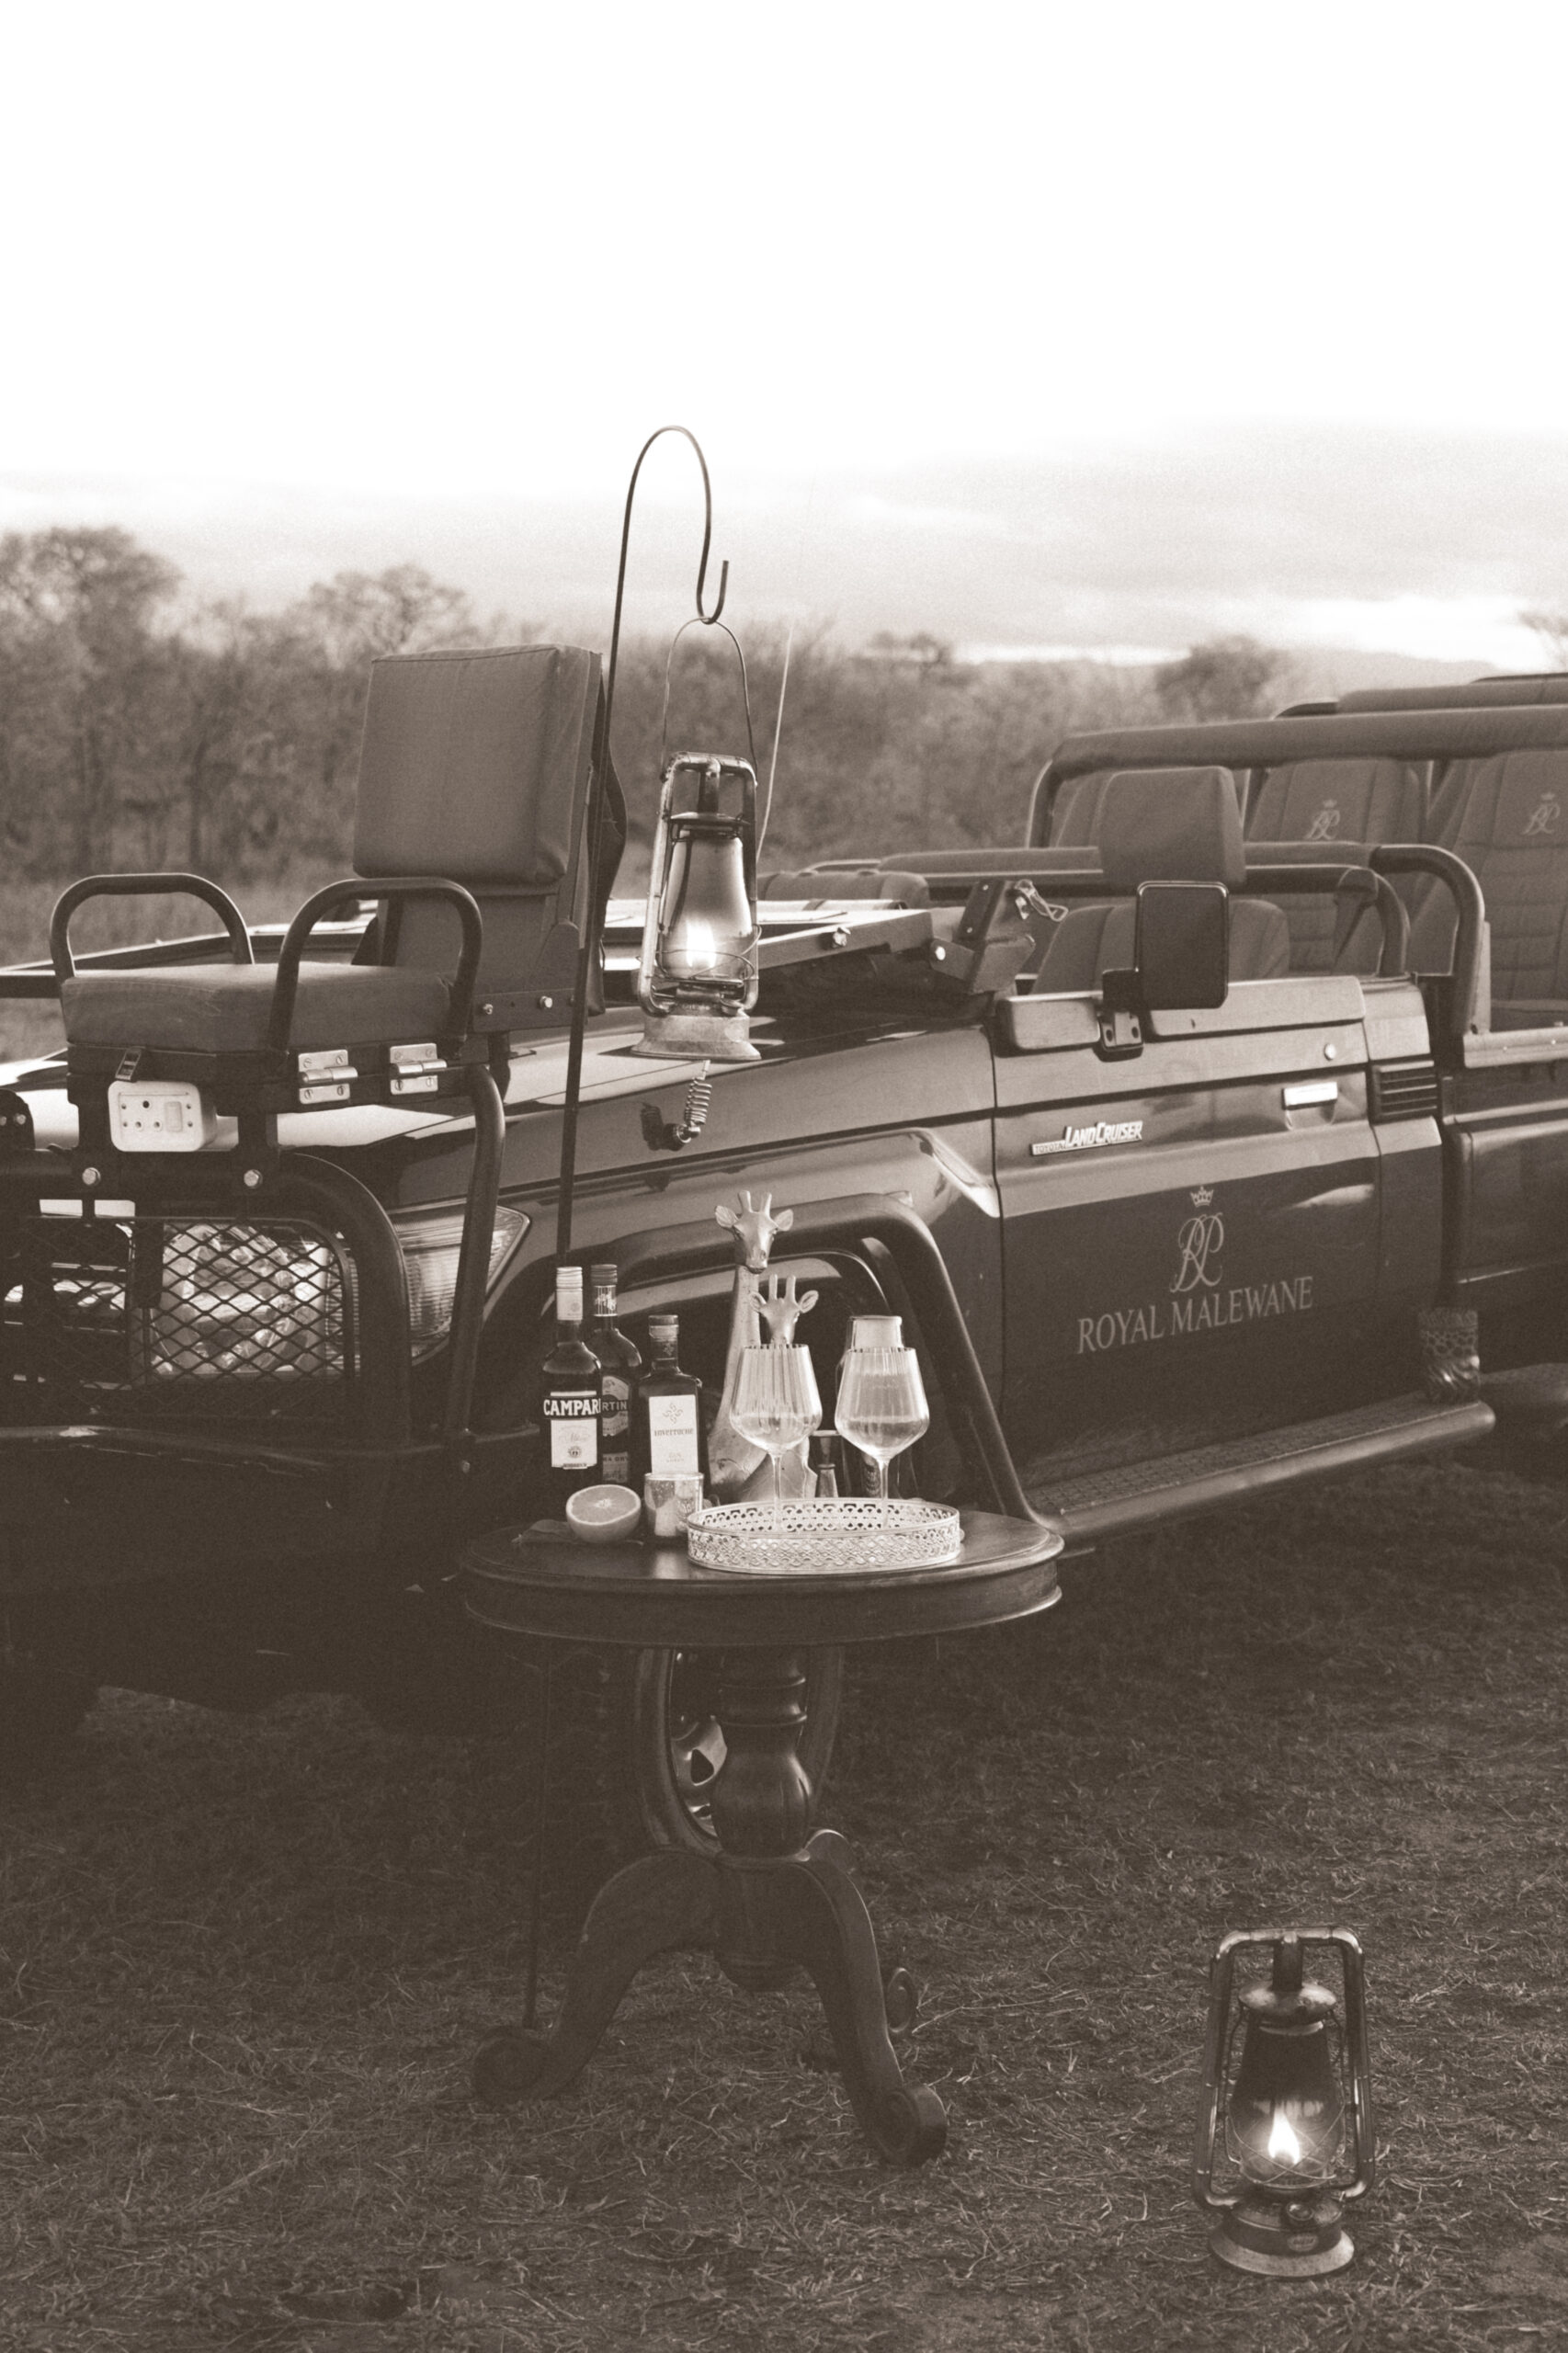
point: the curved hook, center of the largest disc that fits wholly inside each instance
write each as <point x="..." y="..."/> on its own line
<point x="706" y="619"/>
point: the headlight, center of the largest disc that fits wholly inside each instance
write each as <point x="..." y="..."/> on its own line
<point x="430" y="1241"/>
<point x="222" y="1302"/>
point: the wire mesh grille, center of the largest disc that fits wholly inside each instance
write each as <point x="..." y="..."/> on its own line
<point x="132" y="1318"/>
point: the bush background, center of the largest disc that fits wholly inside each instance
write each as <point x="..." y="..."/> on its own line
<point x="137" y="729"/>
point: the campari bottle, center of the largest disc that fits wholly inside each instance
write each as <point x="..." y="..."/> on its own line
<point x="621" y="1361"/>
<point x="668" y="1440"/>
<point x="570" y="1405"/>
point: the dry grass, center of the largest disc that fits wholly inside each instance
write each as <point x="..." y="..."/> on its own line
<point x="245" y="1963"/>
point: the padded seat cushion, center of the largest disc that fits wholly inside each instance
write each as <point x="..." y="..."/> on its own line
<point x="224" y="1008"/>
<point x="475" y="764"/>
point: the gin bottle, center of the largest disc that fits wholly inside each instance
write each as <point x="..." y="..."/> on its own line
<point x="667" y="1437"/>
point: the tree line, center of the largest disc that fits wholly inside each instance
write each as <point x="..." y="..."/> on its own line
<point x="134" y="733"/>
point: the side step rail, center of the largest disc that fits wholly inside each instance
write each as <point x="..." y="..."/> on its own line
<point x="1119" y="1503"/>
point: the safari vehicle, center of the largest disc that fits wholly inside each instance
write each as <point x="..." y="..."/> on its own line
<point x="1188" y="1132"/>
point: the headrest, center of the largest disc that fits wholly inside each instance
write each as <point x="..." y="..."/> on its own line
<point x="1171" y="826"/>
<point x="864" y="882"/>
<point x="475" y="765"/>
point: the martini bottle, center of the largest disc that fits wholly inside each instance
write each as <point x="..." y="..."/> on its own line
<point x="621" y="1361"/>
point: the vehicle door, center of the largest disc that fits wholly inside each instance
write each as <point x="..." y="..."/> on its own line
<point x="1211" y="1237"/>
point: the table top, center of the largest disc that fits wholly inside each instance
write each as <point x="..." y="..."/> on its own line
<point x="542" y="1580"/>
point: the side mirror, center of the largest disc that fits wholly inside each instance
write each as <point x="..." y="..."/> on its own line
<point x="1181" y="959"/>
<point x="1182" y="951"/>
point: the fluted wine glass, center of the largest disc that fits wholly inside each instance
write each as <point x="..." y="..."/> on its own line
<point x="775" y="1405"/>
<point x="881" y="1405"/>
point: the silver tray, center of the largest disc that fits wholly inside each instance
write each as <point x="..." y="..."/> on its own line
<point x="835" y="1532"/>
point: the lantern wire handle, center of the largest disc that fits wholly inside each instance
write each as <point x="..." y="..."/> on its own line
<point x="593" y="928"/>
<point x="696" y="622"/>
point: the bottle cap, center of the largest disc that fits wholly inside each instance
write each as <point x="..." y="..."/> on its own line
<point x="606" y="1272"/>
<point x="877" y="1332"/>
<point x="569" y="1291"/>
<point x="664" y="1323"/>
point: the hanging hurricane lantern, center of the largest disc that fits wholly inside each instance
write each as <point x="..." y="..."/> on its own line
<point x="1285" y="2139"/>
<point x="697" y="981"/>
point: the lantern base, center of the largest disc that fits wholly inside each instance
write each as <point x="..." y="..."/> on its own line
<point x="697" y="1037"/>
<point x="1283" y="2238"/>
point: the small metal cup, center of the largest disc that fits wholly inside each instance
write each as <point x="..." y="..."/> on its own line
<point x="668" y="1504"/>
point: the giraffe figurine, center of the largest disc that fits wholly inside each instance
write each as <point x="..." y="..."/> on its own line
<point x="736" y="1469"/>
<point x="780" y="1310"/>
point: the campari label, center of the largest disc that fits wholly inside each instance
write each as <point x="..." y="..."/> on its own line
<point x="573" y="1418"/>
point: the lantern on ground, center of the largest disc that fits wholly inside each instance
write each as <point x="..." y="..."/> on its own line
<point x="1285" y="2138"/>
<point x="697" y="981"/>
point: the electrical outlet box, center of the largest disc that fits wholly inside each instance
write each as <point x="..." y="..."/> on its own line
<point x="164" y="1115"/>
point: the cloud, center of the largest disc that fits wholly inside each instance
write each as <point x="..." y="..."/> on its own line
<point x="1423" y="541"/>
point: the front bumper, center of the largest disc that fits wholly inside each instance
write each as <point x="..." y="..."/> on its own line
<point x="87" y="1505"/>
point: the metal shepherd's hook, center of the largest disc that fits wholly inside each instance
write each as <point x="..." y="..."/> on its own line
<point x="593" y="928"/>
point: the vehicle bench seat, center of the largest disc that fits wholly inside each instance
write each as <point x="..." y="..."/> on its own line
<point x="1507" y="817"/>
<point x="1164" y="825"/>
<point x="1323" y="802"/>
<point x="225" y="1008"/>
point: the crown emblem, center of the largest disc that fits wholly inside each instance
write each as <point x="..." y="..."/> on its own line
<point x="1202" y="1198"/>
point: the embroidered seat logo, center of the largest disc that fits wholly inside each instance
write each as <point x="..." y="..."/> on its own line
<point x="1547" y="817"/>
<point x="1325" y="824"/>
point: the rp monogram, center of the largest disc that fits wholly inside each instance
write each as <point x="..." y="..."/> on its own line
<point x="1201" y="1239"/>
<point x="1325" y="824"/>
<point x="1547" y="817"/>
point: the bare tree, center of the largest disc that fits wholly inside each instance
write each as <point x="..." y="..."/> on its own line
<point x="1225" y="677"/>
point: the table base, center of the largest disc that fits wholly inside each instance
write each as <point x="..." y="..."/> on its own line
<point x="772" y="1902"/>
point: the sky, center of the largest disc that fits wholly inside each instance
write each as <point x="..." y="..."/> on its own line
<point x="1099" y="327"/>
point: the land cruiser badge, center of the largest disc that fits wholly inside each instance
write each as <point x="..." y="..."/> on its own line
<point x="1089" y="1139"/>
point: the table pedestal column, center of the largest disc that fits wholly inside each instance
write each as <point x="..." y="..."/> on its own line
<point x="772" y="1901"/>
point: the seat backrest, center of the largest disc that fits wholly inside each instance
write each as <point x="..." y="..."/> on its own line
<point x="1507" y="818"/>
<point x="1328" y="801"/>
<point x="1165" y="825"/>
<point x="475" y="765"/>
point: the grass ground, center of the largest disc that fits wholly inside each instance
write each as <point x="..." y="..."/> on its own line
<point x="245" y="1964"/>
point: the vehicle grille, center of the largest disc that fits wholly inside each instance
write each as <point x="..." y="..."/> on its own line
<point x="1405" y="1090"/>
<point x="121" y="1318"/>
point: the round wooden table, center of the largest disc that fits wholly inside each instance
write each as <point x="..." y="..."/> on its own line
<point x="776" y="1897"/>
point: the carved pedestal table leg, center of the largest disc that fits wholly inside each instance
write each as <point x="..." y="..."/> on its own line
<point x="774" y="1901"/>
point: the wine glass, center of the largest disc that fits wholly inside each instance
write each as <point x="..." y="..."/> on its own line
<point x="775" y="1405"/>
<point x="881" y="1405"/>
